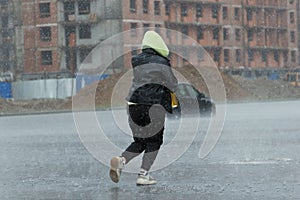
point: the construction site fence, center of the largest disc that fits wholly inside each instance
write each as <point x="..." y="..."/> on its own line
<point x="59" y="88"/>
<point x="43" y="89"/>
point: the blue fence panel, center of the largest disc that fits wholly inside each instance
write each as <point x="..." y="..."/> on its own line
<point x="5" y="90"/>
<point x="273" y="76"/>
<point x="85" y="80"/>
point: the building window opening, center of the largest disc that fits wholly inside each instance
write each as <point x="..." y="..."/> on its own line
<point x="84" y="7"/>
<point x="145" y="6"/>
<point x="292" y="36"/>
<point x="226" y="55"/>
<point x="184" y="11"/>
<point x="285" y="56"/>
<point x="225" y="12"/>
<point x="215" y="12"/>
<point x="85" y="56"/>
<point x="250" y="55"/>
<point x="199" y="10"/>
<point x="167" y="8"/>
<point x="132" y="6"/>
<point x="44" y="10"/>
<point x="45" y="33"/>
<point x="225" y="34"/>
<point x="238" y="55"/>
<point x="293" y="56"/>
<point x="200" y="34"/>
<point x="69" y="8"/>
<point x="292" y="17"/>
<point x="146" y="27"/>
<point x="264" y="56"/>
<point x="157" y="28"/>
<point x="238" y="34"/>
<point x="185" y="32"/>
<point x="169" y="34"/>
<point x="156" y="7"/>
<point x="133" y="30"/>
<point x="276" y="56"/>
<point x="216" y="33"/>
<point x="46" y="57"/>
<point x="216" y="55"/>
<point x="85" y="31"/>
<point x="237" y="13"/>
<point x="250" y="35"/>
<point x="249" y="14"/>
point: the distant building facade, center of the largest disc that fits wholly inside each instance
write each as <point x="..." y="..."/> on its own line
<point x="248" y="33"/>
<point x="58" y="35"/>
<point x="236" y="33"/>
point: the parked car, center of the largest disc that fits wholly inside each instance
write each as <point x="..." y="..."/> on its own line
<point x="189" y="98"/>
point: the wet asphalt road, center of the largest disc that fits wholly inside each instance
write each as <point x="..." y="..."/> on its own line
<point x="257" y="157"/>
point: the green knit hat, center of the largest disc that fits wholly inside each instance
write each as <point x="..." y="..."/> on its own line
<point x="154" y="41"/>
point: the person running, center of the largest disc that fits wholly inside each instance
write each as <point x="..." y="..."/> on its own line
<point x="148" y="101"/>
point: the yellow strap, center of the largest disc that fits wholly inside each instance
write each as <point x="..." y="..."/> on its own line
<point x="174" y="100"/>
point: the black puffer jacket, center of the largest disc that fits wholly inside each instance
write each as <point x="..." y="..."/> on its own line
<point x="153" y="80"/>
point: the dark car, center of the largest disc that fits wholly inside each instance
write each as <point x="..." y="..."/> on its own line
<point x="191" y="101"/>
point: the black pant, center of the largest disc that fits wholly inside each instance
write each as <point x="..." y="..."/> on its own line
<point x="147" y="126"/>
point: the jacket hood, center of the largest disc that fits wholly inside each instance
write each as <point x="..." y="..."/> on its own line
<point x="154" y="41"/>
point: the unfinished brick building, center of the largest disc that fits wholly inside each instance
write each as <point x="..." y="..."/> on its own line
<point x="58" y="35"/>
<point x="249" y="33"/>
<point x="236" y="33"/>
<point x="41" y="39"/>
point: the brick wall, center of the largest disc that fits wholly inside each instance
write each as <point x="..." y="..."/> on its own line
<point x="33" y="44"/>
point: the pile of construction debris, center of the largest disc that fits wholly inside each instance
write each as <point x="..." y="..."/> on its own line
<point x="238" y="89"/>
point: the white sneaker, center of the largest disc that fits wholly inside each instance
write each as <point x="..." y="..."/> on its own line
<point x="116" y="165"/>
<point x="145" y="179"/>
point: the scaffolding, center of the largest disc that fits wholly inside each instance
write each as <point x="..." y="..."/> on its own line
<point x="7" y="58"/>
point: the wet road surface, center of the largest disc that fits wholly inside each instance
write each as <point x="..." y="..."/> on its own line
<point x="257" y="157"/>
